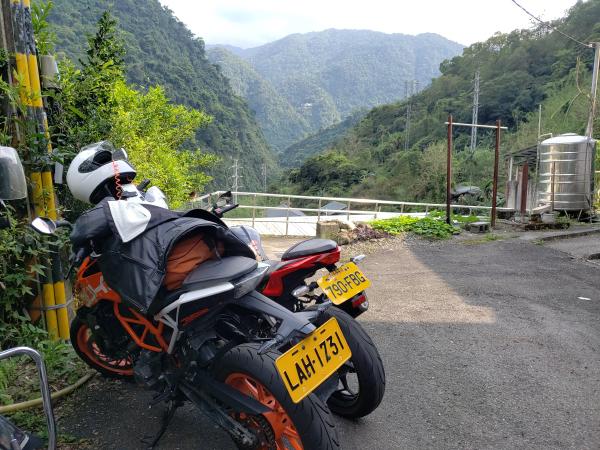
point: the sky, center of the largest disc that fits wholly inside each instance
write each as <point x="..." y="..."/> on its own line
<point x="249" y="23"/>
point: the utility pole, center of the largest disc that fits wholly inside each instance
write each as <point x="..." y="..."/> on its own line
<point x="590" y="125"/>
<point x="236" y="179"/>
<point x="475" y="111"/>
<point x="408" y="91"/>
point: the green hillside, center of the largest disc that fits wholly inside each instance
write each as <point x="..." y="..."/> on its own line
<point x="305" y="83"/>
<point x="282" y="125"/>
<point x="161" y="50"/>
<point x="354" y="68"/>
<point x="519" y="71"/>
<point x="296" y="154"/>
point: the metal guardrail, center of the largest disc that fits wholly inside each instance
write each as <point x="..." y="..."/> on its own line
<point x="374" y="210"/>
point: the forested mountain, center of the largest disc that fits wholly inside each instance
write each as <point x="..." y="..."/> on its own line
<point x="161" y="50"/>
<point x="519" y="71"/>
<point x="350" y="68"/>
<point x="296" y="154"/>
<point x="280" y="122"/>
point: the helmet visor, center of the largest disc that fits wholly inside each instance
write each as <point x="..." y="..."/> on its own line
<point x="120" y="155"/>
<point x="12" y="178"/>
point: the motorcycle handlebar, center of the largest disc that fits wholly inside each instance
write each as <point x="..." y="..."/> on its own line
<point x="143" y="185"/>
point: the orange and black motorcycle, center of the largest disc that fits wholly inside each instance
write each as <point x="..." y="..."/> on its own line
<point x="256" y="369"/>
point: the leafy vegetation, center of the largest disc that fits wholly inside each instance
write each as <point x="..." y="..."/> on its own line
<point x="157" y="136"/>
<point x="160" y="50"/>
<point x="519" y="71"/>
<point x="428" y="226"/>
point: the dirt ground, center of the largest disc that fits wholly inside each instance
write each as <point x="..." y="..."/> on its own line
<point x="486" y="344"/>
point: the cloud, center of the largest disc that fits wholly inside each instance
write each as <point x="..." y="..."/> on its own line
<point x="249" y="23"/>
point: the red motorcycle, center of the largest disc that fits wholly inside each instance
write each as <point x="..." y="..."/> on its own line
<point x="288" y="282"/>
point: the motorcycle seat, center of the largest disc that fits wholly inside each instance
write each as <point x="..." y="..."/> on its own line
<point x="209" y="273"/>
<point x="217" y="271"/>
<point x="309" y="247"/>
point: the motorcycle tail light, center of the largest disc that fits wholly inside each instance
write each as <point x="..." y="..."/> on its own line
<point x="360" y="301"/>
<point x="248" y="282"/>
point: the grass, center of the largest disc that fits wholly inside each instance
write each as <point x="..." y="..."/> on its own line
<point x="19" y="381"/>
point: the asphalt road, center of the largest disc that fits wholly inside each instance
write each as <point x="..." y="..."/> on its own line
<point x="492" y="345"/>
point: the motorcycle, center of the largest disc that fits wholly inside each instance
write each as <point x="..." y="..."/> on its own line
<point x="362" y="378"/>
<point x="256" y="369"/>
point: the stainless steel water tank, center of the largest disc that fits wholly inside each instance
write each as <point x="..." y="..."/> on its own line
<point x="567" y="162"/>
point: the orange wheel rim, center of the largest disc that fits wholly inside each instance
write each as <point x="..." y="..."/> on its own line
<point x="92" y="351"/>
<point x="286" y="435"/>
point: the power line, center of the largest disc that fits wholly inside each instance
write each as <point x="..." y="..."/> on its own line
<point x="553" y="27"/>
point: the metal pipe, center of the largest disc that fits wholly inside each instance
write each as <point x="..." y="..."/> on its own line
<point x="448" y="169"/>
<point x="458" y="124"/>
<point x="44" y="388"/>
<point x="495" y="180"/>
<point x="524" y="182"/>
<point x="589" y="131"/>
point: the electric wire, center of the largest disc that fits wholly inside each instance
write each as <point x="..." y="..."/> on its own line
<point x="553" y="27"/>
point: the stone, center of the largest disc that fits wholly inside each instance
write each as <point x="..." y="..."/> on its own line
<point x="328" y="230"/>
<point x="346" y="225"/>
<point x="478" y="227"/>
<point x="343" y="237"/>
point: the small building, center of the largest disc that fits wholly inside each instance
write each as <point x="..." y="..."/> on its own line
<point x="334" y="208"/>
<point x="270" y="212"/>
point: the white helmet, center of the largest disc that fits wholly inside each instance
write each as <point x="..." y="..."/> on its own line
<point x="94" y="172"/>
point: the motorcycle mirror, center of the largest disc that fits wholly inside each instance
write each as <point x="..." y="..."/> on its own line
<point x="43" y="225"/>
<point x="224" y="199"/>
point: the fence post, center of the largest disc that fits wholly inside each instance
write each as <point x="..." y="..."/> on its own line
<point x="348" y="215"/>
<point x="253" y="210"/>
<point x="287" y="216"/>
<point x="319" y="211"/>
<point x="426" y="209"/>
<point x="402" y="208"/>
<point x="376" y="210"/>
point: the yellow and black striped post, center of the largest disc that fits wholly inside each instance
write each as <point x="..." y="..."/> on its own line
<point x="53" y="286"/>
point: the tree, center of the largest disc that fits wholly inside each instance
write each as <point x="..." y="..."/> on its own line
<point x="158" y="137"/>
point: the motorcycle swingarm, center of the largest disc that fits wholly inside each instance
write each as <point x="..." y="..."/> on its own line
<point x="229" y="396"/>
<point x="291" y="323"/>
<point x="218" y="415"/>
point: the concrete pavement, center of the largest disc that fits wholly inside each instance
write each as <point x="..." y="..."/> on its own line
<point x="485" y="346"/>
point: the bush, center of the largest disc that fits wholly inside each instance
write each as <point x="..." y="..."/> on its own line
<point x="429" y="227"/>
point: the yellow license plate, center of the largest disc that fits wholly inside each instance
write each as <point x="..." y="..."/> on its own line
<point x="343" y="283"/>
<point x="311" y="361"/>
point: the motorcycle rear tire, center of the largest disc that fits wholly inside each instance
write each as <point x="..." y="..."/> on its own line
<point x="368" y="365"/>
<point x="310" y="418"/>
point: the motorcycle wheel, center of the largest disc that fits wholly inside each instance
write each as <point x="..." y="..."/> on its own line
<point x="362" y="378"/>
<point x="87" y="348"/>
<point x="304" y="425"/>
